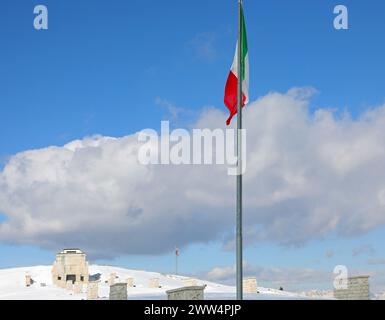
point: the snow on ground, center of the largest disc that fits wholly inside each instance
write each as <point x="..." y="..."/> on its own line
<point x="12" y="286"/>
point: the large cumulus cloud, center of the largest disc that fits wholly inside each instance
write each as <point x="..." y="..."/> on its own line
<point x="308" y="175"/>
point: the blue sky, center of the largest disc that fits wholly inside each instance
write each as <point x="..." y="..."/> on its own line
<point x="102" y="66"/>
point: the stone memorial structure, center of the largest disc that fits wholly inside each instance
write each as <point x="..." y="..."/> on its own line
<point x="154" y="283"/>
<point x="70" y="265"/>
<point x="357" y="289"/>
<point x="186" y="293"/>
<point x="28" y="280"/>
<point x="130" y="282"/>
<point x="189" y="282"/>
<point x="118" y="291"/>
<point x="111" y="279"/>
<point x="250" y="285"/>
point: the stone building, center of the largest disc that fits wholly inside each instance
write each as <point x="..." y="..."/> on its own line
<point x="70" y="266"/>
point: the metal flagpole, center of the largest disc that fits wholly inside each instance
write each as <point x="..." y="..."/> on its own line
<point x="239" y="258"/>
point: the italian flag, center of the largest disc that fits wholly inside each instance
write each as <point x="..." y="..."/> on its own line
<point x="231" y="89"/>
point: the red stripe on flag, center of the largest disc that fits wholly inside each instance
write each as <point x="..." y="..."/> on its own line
<point x="231" y="92"/>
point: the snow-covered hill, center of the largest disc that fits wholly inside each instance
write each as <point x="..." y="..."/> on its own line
<point x="12" y="286"/>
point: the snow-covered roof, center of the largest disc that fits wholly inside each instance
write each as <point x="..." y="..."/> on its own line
<point x="67" y="251"/>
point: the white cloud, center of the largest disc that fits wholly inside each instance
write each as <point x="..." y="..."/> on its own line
<point x="307" y="176"/>
<point x="288" y="278"/>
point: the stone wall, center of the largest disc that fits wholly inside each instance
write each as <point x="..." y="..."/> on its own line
<point x="358" y="289"/>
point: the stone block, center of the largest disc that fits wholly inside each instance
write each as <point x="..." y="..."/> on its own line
<point x="130" y="282"/>
<point x="118" y="291"/>
<point x="250" y="285"/>
<point x="358" y="289"/>
<point x="28" y="280"/>
<point x="111" y="279"/>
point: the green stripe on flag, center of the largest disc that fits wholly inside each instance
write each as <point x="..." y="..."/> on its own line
<point x="244" y="49"/>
